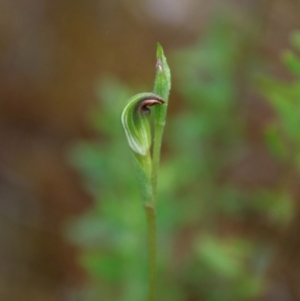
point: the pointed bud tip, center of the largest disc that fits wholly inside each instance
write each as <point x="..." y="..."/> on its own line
<point x="160" y="58"/>
<point x="163" y="74"/>
<point x="159" y="52"/>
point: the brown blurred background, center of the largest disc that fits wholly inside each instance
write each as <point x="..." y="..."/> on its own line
<point x="52" y="55"/>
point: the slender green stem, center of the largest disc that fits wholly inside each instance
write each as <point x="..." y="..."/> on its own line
<point x="159" y="129"/>
<point x="136" y="125"/>
<point x="144" y="165"/>
<point x="162" y="86"/>
<point x="151" y="223"/>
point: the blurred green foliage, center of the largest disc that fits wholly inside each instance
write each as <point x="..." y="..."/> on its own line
<point x="283" y="136"/>
<point x="199" y="259"/>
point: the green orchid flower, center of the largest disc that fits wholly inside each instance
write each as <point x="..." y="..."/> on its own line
<point x="135" y="121"/>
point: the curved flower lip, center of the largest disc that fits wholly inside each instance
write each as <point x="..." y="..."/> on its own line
<point x="136" y="123"/>
<point x="144" y="103"/>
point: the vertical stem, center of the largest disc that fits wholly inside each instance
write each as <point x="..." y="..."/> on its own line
<point x="162" y="85"/>
<point x="147" y="168"/>
<point x="144" y="168"/>
<point x="151" y="224"/>
<point x="159" y="128"/>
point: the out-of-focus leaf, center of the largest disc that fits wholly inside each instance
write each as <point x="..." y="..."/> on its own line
<point x="292" y="62"/>
<point x="275" y="142"/>
<point x="295" y="39"/>
<point x="107" y="267"/>
<point x="223" y="256"/>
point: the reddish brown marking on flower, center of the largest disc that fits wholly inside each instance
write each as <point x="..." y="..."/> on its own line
<point x="144" y="104"/>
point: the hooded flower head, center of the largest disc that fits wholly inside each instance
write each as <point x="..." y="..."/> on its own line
<point x="135" y="121"/>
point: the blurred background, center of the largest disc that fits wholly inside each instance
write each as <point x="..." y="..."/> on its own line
<point x="71" y="222"/>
